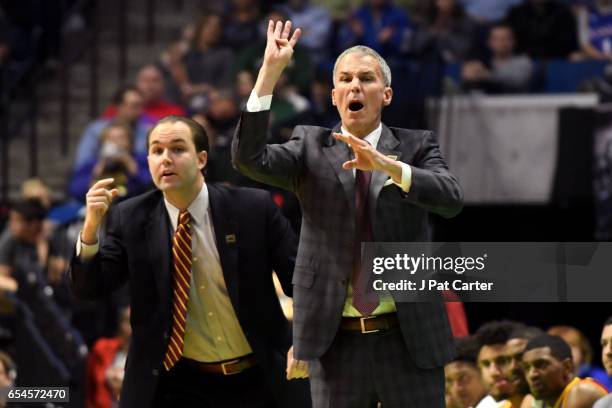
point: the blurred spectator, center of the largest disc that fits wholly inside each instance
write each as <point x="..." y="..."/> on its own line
<point x="379" y="25"/>
<point x="595" y="31"/>
<point x="7" y="376"/>
<point x="151" y="84"/>
<point x="606" y="358"/>
<point x="582" y="354"/>
<point x="129" y="102"/>
<point x="106" y="365"/>
<point x="116" y="159"/>
<point x="316" y="25"/>
<point x="464" y="385"/>
<point x="323" y="112"/>
<point x="503" y="72"/>
<point x="206" y="66"/>
<point x="544" y="28"/>
<point x="488" y="11"/>
<point x="241" y="24"/>
<point x="22" y="241"/>
<point x="549" y="369"/>
<point x="298" y="73"/>
<point x="449" y="33"/>
<point x="495" y="362"/>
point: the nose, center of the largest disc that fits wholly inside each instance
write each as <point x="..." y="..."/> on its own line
<point x="356" y="85"/>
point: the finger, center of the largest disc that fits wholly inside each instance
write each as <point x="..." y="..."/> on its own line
<point x="286" y="29"/>
<point x="351" y="164"/>
<point x="270" y="28"/>
<point x="102" y="183"/>
<point x="101" y="192"/>
<point x="278" y="28"/>
<point x="295" y="37"/>
<point x="281" y="42"/>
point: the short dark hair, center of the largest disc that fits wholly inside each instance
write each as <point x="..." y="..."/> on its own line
<point x="200" y="138"/>
<point x="609" y="321"/>
<point x="120" y="93"/>
<point x="558" y="347"/>
<point x="467" y="350"/>
<point x="31" y="209"/>
<point x="496" y="332"/>
<point x="526" y="332"/>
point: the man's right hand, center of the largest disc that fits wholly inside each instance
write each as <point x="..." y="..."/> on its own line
<point x="279" y="49"/>
<point x="99" y="199"/>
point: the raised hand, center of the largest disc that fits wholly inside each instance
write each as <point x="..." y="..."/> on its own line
<point x="279" y="49"/>
<point x="98" y="201"/>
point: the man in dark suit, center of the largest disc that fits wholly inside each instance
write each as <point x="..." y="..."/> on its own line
<point x="360" y="348"/>
<point x="208" y="330"/>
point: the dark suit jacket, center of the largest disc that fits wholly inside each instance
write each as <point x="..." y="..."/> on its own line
<point x="310" y="164"/>
<point x="136" y="249"/>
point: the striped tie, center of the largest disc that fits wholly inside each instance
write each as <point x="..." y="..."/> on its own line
<point x="181" y="256"/>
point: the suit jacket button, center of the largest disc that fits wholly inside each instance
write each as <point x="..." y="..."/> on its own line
<point x="155" y="372"/>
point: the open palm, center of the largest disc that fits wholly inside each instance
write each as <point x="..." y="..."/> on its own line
<point x="279" y="47"/>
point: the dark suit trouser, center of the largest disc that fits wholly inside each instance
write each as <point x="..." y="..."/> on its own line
<point x="360" y="369"/>
<point x="187" y="387"/>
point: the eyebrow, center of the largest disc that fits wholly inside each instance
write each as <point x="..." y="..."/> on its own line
<point x="172" y="141"/>
<point x="368" y="72"/>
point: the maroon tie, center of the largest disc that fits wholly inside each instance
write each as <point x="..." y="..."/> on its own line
<point x="181" y="257"/>
<point x="365" y="299"/>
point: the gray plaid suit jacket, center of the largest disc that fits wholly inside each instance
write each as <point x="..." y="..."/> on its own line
<point x="310" y="165"/>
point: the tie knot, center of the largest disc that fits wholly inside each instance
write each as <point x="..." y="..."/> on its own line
<point x="184" y="218"/>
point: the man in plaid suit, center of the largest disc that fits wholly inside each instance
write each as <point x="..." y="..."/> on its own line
<point x="358" y="352"/>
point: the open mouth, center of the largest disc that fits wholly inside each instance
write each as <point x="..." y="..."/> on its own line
<point x="355" y="106"/>
<point x="168" y="173"/>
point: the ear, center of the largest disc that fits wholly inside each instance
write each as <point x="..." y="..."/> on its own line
<point x="568" y="366"/>
<point x="202" y="159"/>
<point x="387" y="96"/>
<point x="333" y="96"/>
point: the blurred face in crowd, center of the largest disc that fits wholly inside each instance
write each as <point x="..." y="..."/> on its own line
<point x="131" y="107"/>
<point x="360" y="93"/>
<point x="174" y="164"/>
<point x="547" y="376"/>
<point x="514" y="350"/>
<point x="501" y="41"/>
<point x="606" y="348"/>
<point x="464" y="383"/>
<point x="151" y="83"/>
<point x="494" y="363"/>
<point x="210" y="31"/>
<point x="118" y="136"/>
<point x="24" y="230"/>
<point x="445" y="6"/>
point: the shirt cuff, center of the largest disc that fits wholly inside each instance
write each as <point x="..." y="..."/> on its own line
<point x="86" y="252"/>
<point x="257" y="104"/>
<point x="406" y="178"/>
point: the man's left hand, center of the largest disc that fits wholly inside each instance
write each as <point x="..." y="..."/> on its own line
<point x="296" y="368"/>
<point x="367" y="158"/>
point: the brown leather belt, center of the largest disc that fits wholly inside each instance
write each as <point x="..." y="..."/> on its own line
<point x="370" y="324"/>
<point x="228" y="367"/>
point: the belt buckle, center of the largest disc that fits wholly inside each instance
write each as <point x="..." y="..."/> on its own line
<point x="362" y="322"/>
<point x="227" y="363"/>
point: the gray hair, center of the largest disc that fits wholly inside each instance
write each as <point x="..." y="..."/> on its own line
<point x="362" y="49"/>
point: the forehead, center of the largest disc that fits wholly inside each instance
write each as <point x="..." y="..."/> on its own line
<point x="607" y="331"/>
<point x="358" y="62"/>
<point x="491" y="351"/>
<point x="516" y="345"/>
<point x="459" y="367"/>
<point x="131" y="96"/>
<point x="171" y="132"/>
<point x="538" y="354"/>
<point x="150" y="73"/>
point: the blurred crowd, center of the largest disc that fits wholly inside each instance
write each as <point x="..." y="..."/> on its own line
<point x="208" y="74"/>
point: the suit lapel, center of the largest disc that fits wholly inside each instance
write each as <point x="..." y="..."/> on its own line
<point x="337" y="153"/>
<point x="157" y="234"/>
<point x="226" y="234"/>
<point x="386" y="145"/>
